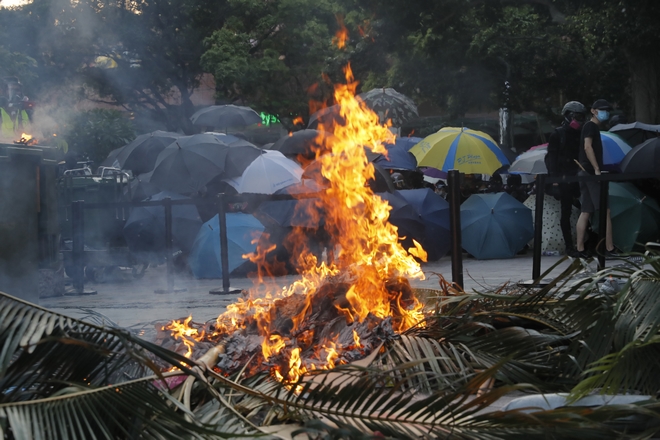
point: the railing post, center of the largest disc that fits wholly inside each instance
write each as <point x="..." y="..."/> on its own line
<point x="167" y="204"/>
<point x="455" y="227"/>
<point x="602" y="223"/>
<point x="538" y="226"/>
<point x="78" y="249"/>
<point x="224" y="251"/>
<point x="78" y="244"/>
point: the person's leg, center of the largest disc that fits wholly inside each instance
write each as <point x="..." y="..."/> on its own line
<point x="581" y="229"/>
<point x="566" y="201"/>
<point x="609" y="241"/>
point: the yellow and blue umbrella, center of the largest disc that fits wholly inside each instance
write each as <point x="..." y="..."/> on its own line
<point x="463" y="149"/>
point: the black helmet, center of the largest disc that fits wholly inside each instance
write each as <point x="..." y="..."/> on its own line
<point x="573" y="107"/>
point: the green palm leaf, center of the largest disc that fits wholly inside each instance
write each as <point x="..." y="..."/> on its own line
<point x="133" y="409"/>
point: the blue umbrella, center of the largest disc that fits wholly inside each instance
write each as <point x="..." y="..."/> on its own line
<point x="397" y="159"/>
<point x="614" y="148"/>
<point x="144" y="229"/>
<point x="242" y="232"/>
<point x="495" y="226"/>
<point x="405" y="217"/>
<point x="434" y="211"/>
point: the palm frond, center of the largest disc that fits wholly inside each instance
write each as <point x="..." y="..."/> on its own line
<point x="42" y="352"/>
<point x="140" y="408"/>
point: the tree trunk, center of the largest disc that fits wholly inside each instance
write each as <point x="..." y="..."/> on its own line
<point x="644" y="70"/>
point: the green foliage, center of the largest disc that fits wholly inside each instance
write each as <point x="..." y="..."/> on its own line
<point x="16" y="64"/>
<point x="95" y="133"/>
<point x="271" y="53"/>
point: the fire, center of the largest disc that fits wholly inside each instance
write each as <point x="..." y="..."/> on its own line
<point x="26" y="139"/>
<point x="359" y="281"/>
<point x="298" y="120"/>
<point x="342" y="34"/>
<point x="188" y="335"/>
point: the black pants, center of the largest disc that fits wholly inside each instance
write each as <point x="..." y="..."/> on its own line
<point x="567" y="193"/>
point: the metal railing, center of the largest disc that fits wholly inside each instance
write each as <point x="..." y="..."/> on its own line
<point x="454" y="177"/>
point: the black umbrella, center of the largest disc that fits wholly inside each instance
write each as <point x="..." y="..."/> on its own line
<point x="145" y="228"/>
<point x="223" y="116"/>
<point x="389" y="104"/>
<point x="405" y="217"/>
<point x="304" y="213"/>
<point x="140" y="154"/>
<point x="141" y="187"/>
<point x="304" y="143"/>
<point x="644" y="158"/>
<point x="326" y="118"/>
<point x="111" y="160"/>
<point x="636" y="132"/>
<point x="191" y="162"/>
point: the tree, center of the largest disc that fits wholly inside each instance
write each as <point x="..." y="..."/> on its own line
<point x="94" y="133"/>
<point x="142" y="56"/>
<point x="275" y="54"/>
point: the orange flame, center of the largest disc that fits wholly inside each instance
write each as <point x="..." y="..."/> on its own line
<point x="363" y="256"/>
<point x="188" y="335"/>
<point x="298" y="120"/>
<point x="342" y="34"/>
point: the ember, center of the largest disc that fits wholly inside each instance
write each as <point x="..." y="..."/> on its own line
<point x="26" y="139"/>
<point x="345" y="304"/>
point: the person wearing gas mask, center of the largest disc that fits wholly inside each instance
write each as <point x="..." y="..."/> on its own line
<point x="561" y="160"/>
<point x="591" y="162"/>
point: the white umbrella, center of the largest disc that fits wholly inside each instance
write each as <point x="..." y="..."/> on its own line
<point x="551" y="238"/>
<point x="530" y="162"/>
<point x="268" y="173"/>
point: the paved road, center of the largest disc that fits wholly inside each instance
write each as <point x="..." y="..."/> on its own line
<point x="128" y="302"/>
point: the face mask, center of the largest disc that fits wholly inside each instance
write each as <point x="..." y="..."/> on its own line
<point x="575" y="125"/>
<point x="603" y="115"/>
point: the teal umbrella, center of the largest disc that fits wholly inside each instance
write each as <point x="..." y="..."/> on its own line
<point x="635" y="216"/>
<point x="495" y="226"/>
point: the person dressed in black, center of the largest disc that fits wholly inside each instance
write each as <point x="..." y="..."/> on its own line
<point x="561" y="160"/>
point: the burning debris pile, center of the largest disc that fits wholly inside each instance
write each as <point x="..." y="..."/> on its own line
<point x="343" y="306"/>
<point x="26" y="139"/>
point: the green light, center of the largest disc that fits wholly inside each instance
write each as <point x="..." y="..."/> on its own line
<point x="268" y="119"/>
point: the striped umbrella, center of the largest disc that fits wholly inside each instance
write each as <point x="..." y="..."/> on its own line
<point x="454" y="148"/>
<point x="614" y="148"/>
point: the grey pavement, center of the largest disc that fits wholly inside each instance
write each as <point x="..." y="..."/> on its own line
<point x="131" y="302"/>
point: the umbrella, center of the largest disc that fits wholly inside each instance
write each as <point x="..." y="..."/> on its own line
<point x="305" y="143"/>
<point x="242" y="232"/>
<point x="530" y="162"/>
<point x="326" y="118"/>
<point x="552" y="238"/>
<point x="434" y="211"/>
<point x="191" y="162"/>
<point x="495" y="225"/>
<point x="269" y="172"/>
<point x="141" y="187"/>
<point x="140" y="154"/>
<point x="306" y="186"/>
<point x="636" y="132"/>
<point x="614" y="148"/>
<point x="144" y="229"/>
<point x="389" y="104"/>
<point x="398" y="156"/>
<point x="635" y="216"/>
<point x="223" y="116"/>
<point x="381" y="182"/>
<point x="644" y="158"/>
<point x="304" y="213"/>
<point x="469" y="151"/>
<point x="111" y="160"/>
<point x="405" y="217"/>
<point x="435" y="173"/>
